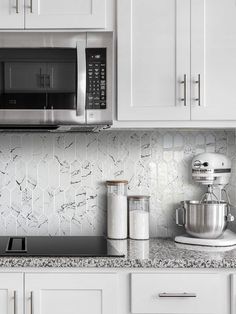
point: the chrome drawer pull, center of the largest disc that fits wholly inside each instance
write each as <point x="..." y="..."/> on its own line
<point x="31" y="303"/>
<point x="184" y="82"/>
<point x="15" y="302"/>
<point x="177" y="295"/>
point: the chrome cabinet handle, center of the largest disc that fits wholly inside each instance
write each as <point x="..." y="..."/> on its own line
<point x="177" y="295"/>
<point x="31" y="6"/>
<point x="15" y="302"/>
<point x="184" y="82"/>
<point x="17" y="7"/>
<point x="31" y="302"/>
<point x="199" y="90"/>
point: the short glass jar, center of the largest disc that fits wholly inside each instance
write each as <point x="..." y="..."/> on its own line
<point x="117" y="213"/>
<point x="139" y="217"/>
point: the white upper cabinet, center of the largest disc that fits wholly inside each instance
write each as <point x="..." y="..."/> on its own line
<point x="56" y="14"/>
<point x="213" y="50"/>
<point x="177" y="60"/>
<point x="153" y="59"/>
<point x="68" y="293"/>
<point x="12" y="14"/>
<point x="65" y="14"/>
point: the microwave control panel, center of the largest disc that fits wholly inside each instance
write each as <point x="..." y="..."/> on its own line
<point x="96" y="78"/>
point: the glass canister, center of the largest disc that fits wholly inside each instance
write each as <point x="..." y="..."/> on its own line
<point x="139" y="217"/>
<point x="117" y="213"/>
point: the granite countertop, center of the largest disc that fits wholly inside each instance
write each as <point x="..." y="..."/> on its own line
<point x="155" y="253"/>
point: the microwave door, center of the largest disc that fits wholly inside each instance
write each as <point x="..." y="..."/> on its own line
<point x="66" y="87"/>
<point x="43" y="86"/>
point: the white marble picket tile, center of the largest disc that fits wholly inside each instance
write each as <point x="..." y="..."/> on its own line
<point x="37" y="202"/>
<point x="54" y="225"/>
<point x="64" y="225"/>
<point x="69" y="149"/>
<point x="20" y="175"/>
<point x="49" y="202"/>
<point x="5" y="199"/>
<point x="55" y="183"/>
<point x="27" y="204"/>
<point x="81" y="147"/>
<point x="32" y="224"/>
<point x="16" y="202"/>
<point x="22" y="225"/>
<point x="32" y="174"/>
<point x="43" y="174"/>
<point x="53" y="174"/>
<point x="42" y="227"/>
<point x="11" y="225"/>
<point x="75" y="173"/>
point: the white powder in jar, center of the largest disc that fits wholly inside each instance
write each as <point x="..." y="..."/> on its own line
<point x="117" y="216"/>
<point x="139" y="224"/>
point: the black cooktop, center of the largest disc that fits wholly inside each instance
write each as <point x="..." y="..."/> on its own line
<point x="57" y="246"/>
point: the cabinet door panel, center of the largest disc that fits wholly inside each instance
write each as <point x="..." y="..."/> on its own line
<point x="74" y="301"/>
<point x="11" y="14"/>
<point x="71" y="293"/>
<point x="11" y="286"/>
<point x="153" y="57"/>
<point x="66" y="14"/>
<point x="213" y="41"/>
<point x="165" y="293"/>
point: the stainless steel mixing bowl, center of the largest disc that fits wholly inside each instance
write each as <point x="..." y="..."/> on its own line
<point x="204" y="220"/>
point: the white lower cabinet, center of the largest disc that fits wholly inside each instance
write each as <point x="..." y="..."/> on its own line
<point x="71" y="293"/>
<point x="178" y="293"/>
<point x="117" y="291"/>
<point x="11" y="293"/>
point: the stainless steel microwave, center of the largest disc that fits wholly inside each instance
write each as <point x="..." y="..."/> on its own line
<point x="57" y="88"/>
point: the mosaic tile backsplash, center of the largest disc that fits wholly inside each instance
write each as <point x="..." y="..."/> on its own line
<point x="54" y="184"/>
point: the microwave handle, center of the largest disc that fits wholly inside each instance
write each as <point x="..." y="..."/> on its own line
<point x="81" y="78"/>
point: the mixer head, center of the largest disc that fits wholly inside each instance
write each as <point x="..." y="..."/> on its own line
<point x="211" y="169"/>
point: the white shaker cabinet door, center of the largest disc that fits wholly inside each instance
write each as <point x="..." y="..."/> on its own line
<point x="11" y="14"/>
<point x="11" y="293"/>
<point x="153" y="59"/>
<point x="71" y="293"/>
<point x="65" y="14"/>
<point x="213" y="59"/>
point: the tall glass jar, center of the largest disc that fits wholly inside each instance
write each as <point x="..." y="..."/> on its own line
<point x="117" y="213"/>
<point x="139" y="217"/>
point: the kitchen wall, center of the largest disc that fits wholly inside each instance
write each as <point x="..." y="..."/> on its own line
<point x="55" y="183"/>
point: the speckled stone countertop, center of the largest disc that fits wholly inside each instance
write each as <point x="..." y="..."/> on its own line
<point x="155" y="253"/>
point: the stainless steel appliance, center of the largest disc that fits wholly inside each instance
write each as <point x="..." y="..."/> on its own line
<point x="57" y="246"/>
<point x="59" y="85"/>
<point x="206" y="221"/>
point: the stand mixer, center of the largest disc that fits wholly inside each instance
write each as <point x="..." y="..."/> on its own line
<point x="206" y="221"/>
